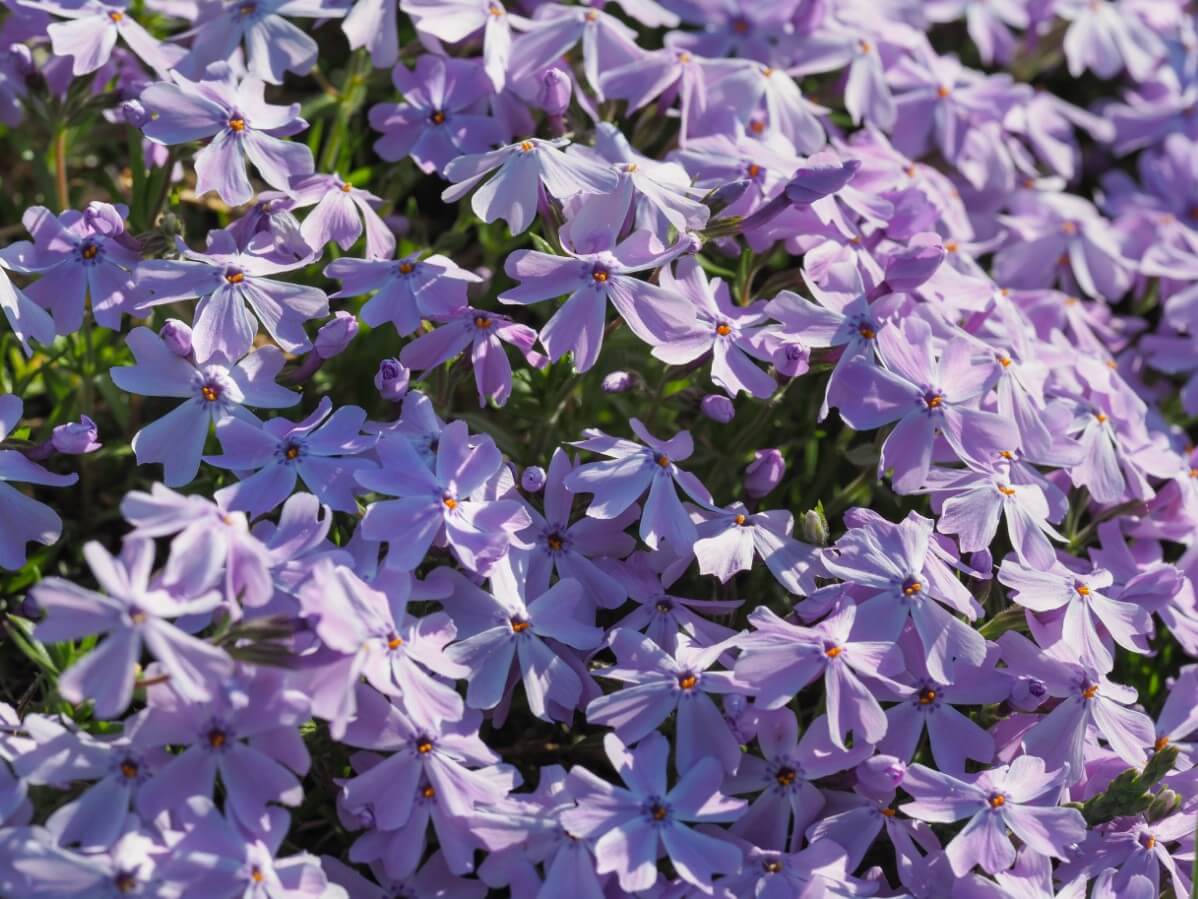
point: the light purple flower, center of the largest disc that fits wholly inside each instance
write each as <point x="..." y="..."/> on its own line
<point x="1089" y="616"/>
<point x="79" y="255"/>
<point x="1107" y="37"/>
<point x="407" y="289"/>
<point x="441" y="117"/>
<point x="273" y="46"/>
<point x="131" y="612"/>
<point x="234" y="293"/>
<point x="500" y="627"/>
<point x="631" y="824"/>
<point x="778" y="659"/>
<point x="92" y="30"/>
<point x="24" y="519"/>
<point x="994" y="801"/>
<point x="212" y="391"/>
<point x="730" y="539"/>
<point x="440" y="505"/>
<point x="455" y="20"/>
<point x="521" y="170"/>
<point x="340" y="211"/>
<point x="631" y="469"/>
<point x="323" y="451"/>
<point x="27" y="320"/>
<point x="242" y="126"/>
<point x="76" y="438"/>
<point x="484" y="333"/>
<point x="656" y="684"/>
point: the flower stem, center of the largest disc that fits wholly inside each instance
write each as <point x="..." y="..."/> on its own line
<point x="60" y="169"/>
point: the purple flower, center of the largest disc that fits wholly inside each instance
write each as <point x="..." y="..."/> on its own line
<point x="523" y="168"/>
<point x="953" y="736"/>
<point x="272" y="213"/>
<point x="630" y="824"/>
<point x="408" y="289"/>
<point x="1106" y="38"/>
<point x="750" y="85"/>
<point x="630" y="470"/>
<point x="994" y="801"/>
<point x="657" y="684"/>
<point x="859" y="47"/>
<point x="620" y="382"/>
<point x="229" y="283"/>
<point x="904" y="579"/>
<point x="131" y="612"/>
<point x="24" y="519"/>
<point x="240" y="121"/>
<point x="1089" y="617"/>
<point x="1088" y="699"/>
<point x="778" y="659"/>
<point x="27" y="320"/>
<point x="441" y="116"/>
<point x="730" y="538"/>
<point x="1135" y="851"/>
<point x="79" y="255"/>
<point x="606" y="42"/>
<point x="176" y="336"/>
<point x="732" y="334"/>
<point x="654" y="314"/>
<point x="247" y="733"/>
<point x="323" y="451"/>
<point x="455" y="20"/>
<point x="212" y="391"/>
<point x="273" y="46"/>
<point x="483" y="333"/>
<point x="668" y="73"/>
<point x="927" y="396"/>
<point x="718" y="408"/>
<point x="76" y="438"/>
<point x="378" y="639"/>
<point x="783" y="778"/>
<point x="498" y="628"/>
<point x="433" y="879"/>
<point x="92" y="31"/>
<point x="340" y="211"/>
<point x="440" y="504"/>
<point x="532" y="479"/>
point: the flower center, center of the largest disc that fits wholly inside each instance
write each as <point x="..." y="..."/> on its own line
<point x="1101" y="416"/>
<point x="688" y="681"/>
<point x="723" y="329"/>
<point x="658" y="811"/>
<point x="425" y="746"/>
<point x="911" y="587"/>
<point x="683" y="57"/>
<point x="519" y="626"/>
<point x="234" y="277"/>
<point x="943" y="91"/>
<point x="256" y="875"/>
<point x="1006" y="491"/>
<point x="933" y="400"/>
<point x="864" y="46"/>
<point x="1081" y="590"/>
<point x="125" y="882"/>
<point x="495" y="9"/>
<point x="889" y="812"/>
<point x="527" y="146"/>
<point x="927" y="697"/>
<point x="1090" y="691"/>
<point x="247" y="9"/>
<point x="771" y="867"/>
<point x="1004" y="361"/>
<point x="866" y="331"/>
<point x="753" y="170"/>
<point x="292" y="452"/>
<point x="217" y="738"/>
<point x="833" y="651"/>
<point x="89" y="251"/>
<point x="129" y="769"/>
<point x="346" y="187"/>
<point x="210" y="393"/>
<point x="664" y="606"/>
<point x="599" y="275"/>
<point x="997" y="800"/>
<point x="1161" y="743"/>
<point x="740" y="519"/>
<point x="663" y="460"/>
<point x="437" y="117"/>
<point x="237" y="123"/>
<point x="394" y="641"/>
<point x="1006" y="454"/>
<point x="554" y="542"/>
<point x="116" y="15"/>
<point x="1148" y="841"/>
<point x="450" y="502"/>
<point x="786" y="776"/>
<point x="428" y="792"/>
<point x="482" y="322"/>
<point x="406" y="268"/>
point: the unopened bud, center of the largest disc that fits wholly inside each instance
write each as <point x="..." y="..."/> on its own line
<point x="621" y="382"/>
<point x="1028" y="694"/>
<point x="532" y="478"/>
<point x="879" y="776"/>
<point x="76" y="438"/>
<point x="1164" y="804"/>
<point x="335" y="335"/>
<point x="815" y="527"/>
<point x="177" y="336"/>
<point x="764" y="473"/>
<point x="391" y="380"/>
<point x="554" y="92"/>
<point x="718" y="408"/>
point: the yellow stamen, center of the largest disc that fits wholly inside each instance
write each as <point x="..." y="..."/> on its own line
<point x="740" y="519"/>
<point x="237" y="124"/>
<point x="395" y="642"/>
<point x="235" y="277"/>
<point x="927" y="697"/>
<point x="89" y="251"/>
<point x="209" y="393"/>
<point x="833" y="651"/>
<point x="518" y="626"/>
<point x="424" y="747"/>
<point x="688" y="681"/>
<point x="406" y="268"/>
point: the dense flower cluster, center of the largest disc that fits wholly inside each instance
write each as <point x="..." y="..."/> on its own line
<point x="544" y="623"/>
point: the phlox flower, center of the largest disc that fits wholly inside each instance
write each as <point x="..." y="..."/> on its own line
<point x="339" y="213"/>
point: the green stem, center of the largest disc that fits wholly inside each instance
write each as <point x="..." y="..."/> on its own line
<point x="60" y="169"/>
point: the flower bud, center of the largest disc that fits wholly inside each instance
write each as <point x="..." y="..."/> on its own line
<point x="1028" y="694"/>
<point x="1164" y="804"/>
<point x="532" y="478"/>
<point x="76" y="438"/>
<point x="791" y="359"/>
<point x="878" y="777"/>
<point x="177" y="336"/>
<point x="103" y="218"/>
<point x="814" y="182"/>
<point x="133" y="113"/>
<point x="335" y="335"/>
<point x="815" y="527"/>
<point x="554" y="91"/>
<point x="717" y="408"/>
<point x="764" y="473"/>
<point x="621" y="382"/>
<point x="391" y="380"/>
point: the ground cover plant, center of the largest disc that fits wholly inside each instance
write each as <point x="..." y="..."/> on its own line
<point x="666" y="448"/>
